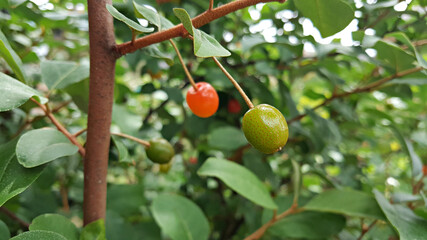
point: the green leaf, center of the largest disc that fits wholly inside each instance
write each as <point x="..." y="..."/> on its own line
<point x="11" y="58"/>
<point x="408" y="225"/>
<point x="60" y="74"/>
<point x="296" y="179"/>
<point x="405" y="40"/>
<point x="154" y="51"/>
<point x="393" y="56"/>
<point x="417" y="165"/>
<point x="180" y="218"/>
<point x="227" y="138"/>
<point x="122" y="150"/>
<point x="37" y="147"/>
<point x="153" y="17"/>
<point x="130" y="23"/>
<point x="79" y="92"/>
<point x="15" y="93"/>
<point x="346" y="201"/>
<point x="238" y="178"/>
<point x="55" y="223"/>
<point x="4" y="231"/>
<point x="131" y="204"/>
<point x="10" y="184"/>
<point x="409" y="81"/>
<point x="308" y="225"/>
<point x="185" y="19"/>
<point x="94" y="231"/>
<point x="204" y="45"/>
<point x="329" y="16"/>
<point x="38" y="235"/>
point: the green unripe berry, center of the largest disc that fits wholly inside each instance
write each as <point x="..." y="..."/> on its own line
<point x="265" y="128"/>
<point x="160" y="151"/>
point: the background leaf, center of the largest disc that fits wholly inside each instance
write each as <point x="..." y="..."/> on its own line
<point x="94" y="231"/>
<point x="4" y="231"/>
<point x="11" y="58"/>
<point x="130" y="23"/>
<point x="60" y="74"/>
<point x="227" y="138"/>
<point x="39" y="234"/>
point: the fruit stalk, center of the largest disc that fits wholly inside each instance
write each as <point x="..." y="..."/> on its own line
<point x="236" y="85"/>
<point x="183" y="65"/>
<point x="140" y="141"/>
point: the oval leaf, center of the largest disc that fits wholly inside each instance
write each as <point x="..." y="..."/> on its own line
<point x="10" y="56"/>
<point x="206" y="46"/>
<point x="185" y="19"/>
<point x="122" y="150"/>
<point x="37" y="147"/>
<point x="180" y="218"/>
<point x="55" y="223"/>
<point x="94" y="231"/>
<point x="4" y="231"/>
<point x="10" y="185"/>
<point x="39" y="234"/>
<point x="409" y="226"/>
<point x="60" y="74"/>
<point x="329" y="16"/>
<point x="227" y="138"/>
<point x="15" y="93"/>
<point x="130" y="23"/>
<point x="238" y="178"/>
<point x="153" y="17"/>
<point x="348" y="202"/>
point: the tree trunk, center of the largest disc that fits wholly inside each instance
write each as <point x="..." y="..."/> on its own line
<point x="101" y="88"/>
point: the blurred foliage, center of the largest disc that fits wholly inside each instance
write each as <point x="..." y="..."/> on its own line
<point x="350" y="145"/>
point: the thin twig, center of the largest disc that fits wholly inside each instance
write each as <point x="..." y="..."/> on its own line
<point x="260" y="232"/>
<point x="365" y="230"/>
<point x="236" y="85"/>
<point x="370" y="87"/>
<point x="60" y="127"/>
<point x="190" y="78"/>
<point x="140" y="141"/>
<point x="211" y="3"/>
<point x="37" y="118"/>
<point x="80" y="132"/>
<point x="13" y="216"/>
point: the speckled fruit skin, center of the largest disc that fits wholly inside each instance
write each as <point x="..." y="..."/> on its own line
<point x="160" y="151"/>
<point x="265" y="128"/>
<point x="203" y="102"/>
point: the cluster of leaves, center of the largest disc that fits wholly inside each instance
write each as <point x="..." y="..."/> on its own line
<point x="346" y="160"/>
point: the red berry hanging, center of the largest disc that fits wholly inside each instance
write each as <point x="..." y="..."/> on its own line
<point x="204" y="101"/>
<point x="234" y="106"/>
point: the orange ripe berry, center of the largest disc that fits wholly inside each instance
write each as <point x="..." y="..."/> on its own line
<point x="203" y="102"/>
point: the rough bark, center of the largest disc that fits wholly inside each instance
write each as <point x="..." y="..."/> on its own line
<point x="101" y="87"/>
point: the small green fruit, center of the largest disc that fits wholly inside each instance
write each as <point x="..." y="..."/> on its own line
<point x="160" y="151"/>
<point x="164" y="168"/>
<point x="265" y="128"/>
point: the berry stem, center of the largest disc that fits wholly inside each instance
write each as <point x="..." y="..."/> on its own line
<point x="183" y="65"/>
<point x="140" y="141"/>
<point x="236" y="85"/>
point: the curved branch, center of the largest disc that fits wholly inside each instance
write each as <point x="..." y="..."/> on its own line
<point x="178" y="30"/>
<point x="367" y="88"/>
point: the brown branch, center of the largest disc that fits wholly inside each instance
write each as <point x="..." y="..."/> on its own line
<point x="80" y="132"/>
<point x="13" y="216"/>
<point x="260" y="232"/>
<point x="365" y="230"/>
<point x="101" y="98"/>
<point x="179" y="30"/>
<point x="140" y="141"/>
<point x="37" y="118"/>
<point x="367" y="88"/>
<point x="211" y="3"/>
<point x="59" y="126"/>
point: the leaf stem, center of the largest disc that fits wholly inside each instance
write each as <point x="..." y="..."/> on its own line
<point x="211" y="3"/>
<point x="140" y="141"/>
<point x="60" y="127"/>
<point x="190" y="78"/>
<point x="236" y="85"/>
